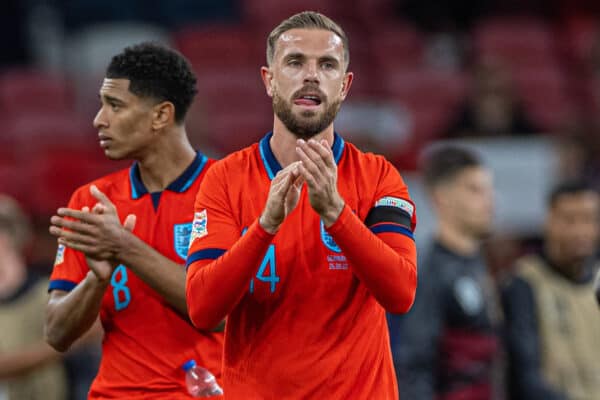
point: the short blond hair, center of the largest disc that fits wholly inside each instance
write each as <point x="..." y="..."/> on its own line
<point x="307" y="20"/>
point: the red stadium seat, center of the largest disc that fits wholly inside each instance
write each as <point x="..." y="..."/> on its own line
<point x="544" y="91"/>
<point x="28" y="132"/>
<point x="516" y="40"/>
<point x="14" y="181"/>
<point x="220" y="46"/>
<point x="55" y="174"/>
<point x="269" y="13"/>
<point x="25" y="91"/>
<point x="396" y="46"/>
<point x="425" y="86"/>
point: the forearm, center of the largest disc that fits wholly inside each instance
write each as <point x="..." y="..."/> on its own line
<point x="159" y="272"/>
<point x="70" y="315"/>
<point x="390" y="273"/>
<point x="214" y="288"/>
<point x="17" y="363"/>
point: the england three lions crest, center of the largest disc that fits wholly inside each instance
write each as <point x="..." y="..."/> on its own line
<point x="328" y="240"/>
<point x="181" y="239"/>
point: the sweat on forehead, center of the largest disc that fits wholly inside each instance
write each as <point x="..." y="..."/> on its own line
<point x="297" y="37"/>
<point x="307" y="20"/>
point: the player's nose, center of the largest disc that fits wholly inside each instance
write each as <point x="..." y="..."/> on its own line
<point x="100" y="120"/>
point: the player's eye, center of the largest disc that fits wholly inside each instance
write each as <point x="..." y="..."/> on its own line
<point x="294" y="63"/>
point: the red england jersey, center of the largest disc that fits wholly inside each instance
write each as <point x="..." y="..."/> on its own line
<point x="306" y="326"/>
<point x="145" y="342"/>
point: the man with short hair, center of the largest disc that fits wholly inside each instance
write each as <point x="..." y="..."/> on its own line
<point x="449" y="344"/>
<point x="553" y="323"/>
<point x="29" y="368"/>
<point x="135" y="282"/>
<point x="302" y="240"/>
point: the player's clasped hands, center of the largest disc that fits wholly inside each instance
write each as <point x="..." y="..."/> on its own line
<point x="283" y="197"/>
<point x="319" y="170"/>
<point x="97" y="234"/>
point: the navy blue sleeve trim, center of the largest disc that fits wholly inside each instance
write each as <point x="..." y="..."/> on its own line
<point x="206" y="254"/>
<point x="381" y="214"/>
<point x="61" y="284"/>
<point x="381" y="228"/>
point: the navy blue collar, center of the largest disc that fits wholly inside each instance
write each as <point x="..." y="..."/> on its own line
<point x="272" y="165"/>
<point x="179" y="185"/>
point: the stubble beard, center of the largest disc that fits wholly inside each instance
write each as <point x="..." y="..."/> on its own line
<point x="307" y="125"/>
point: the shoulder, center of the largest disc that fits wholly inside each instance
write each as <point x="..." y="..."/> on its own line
<point x="529" y="267"/>
<point x="375" y="168"/>
<point x="373" y="161"/>
<point x="111" y="184"/>
<point x="237" y="161"/>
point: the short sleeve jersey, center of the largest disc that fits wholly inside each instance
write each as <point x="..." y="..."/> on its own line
<point x="306" y="328"/>
<point x="146" y="342"/>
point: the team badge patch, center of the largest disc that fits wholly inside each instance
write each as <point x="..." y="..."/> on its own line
<point x="60" y="254"/>
<point x="396" y="202"/>
<point x="199" y="226"/>
<point x="328" y="240"/>
<point x="181" y="238"/>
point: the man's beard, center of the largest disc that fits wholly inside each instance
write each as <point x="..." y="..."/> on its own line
<point x="304" y="128"/>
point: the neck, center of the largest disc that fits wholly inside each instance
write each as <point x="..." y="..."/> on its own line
<point x="166" y="160"/>
<point x="283" y="142"/>
<point x="572" y="268"/>
<point x="456" y="240"/>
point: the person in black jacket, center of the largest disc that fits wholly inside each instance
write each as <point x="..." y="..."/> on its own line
<point x="449" y="342"/>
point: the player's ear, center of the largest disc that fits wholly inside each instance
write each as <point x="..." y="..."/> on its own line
<point x="267" y="77"/>
<point x="163" y="114"/>
<point x="346" y="83"/>
<point x="438" y="197"/>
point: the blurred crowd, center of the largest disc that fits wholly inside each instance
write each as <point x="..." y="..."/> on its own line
<point x="488" y="108"/>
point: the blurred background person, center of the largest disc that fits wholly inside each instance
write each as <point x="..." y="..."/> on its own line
<point x="414" y="61"/>
<point x="450" y="346"/>
<point x="492" y="106"/>
<point x="553" y="324"/>
<point x="29" y="368"/>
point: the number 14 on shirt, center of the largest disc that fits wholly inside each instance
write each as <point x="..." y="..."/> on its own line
<point x="268" y="261"/>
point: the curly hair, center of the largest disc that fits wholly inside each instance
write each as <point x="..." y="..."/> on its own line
<point x="157" y="72"/>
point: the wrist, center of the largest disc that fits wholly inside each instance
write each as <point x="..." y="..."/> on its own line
<point x="268" y="226"/>
<point x="125" y="243"/>
<point x="96" y="281"/>
<point x="333" y="213"/>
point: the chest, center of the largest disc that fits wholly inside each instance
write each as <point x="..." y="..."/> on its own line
<point x="471" y="299"/>
<point x="303" y="262"/>
<point x="166" y="229"/>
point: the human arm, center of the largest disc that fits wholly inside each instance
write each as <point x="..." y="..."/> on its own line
<point x="17" y="363"/>
<point x="523" y="343"/>
<point x="218" y="273"/>
<point x="71" y="313"/>
<point x="102" y="236"/>
<point x="416" y="357"/>
<point x="382" y="257"/>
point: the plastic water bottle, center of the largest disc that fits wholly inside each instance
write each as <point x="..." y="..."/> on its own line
<point x="199" y="381"/>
